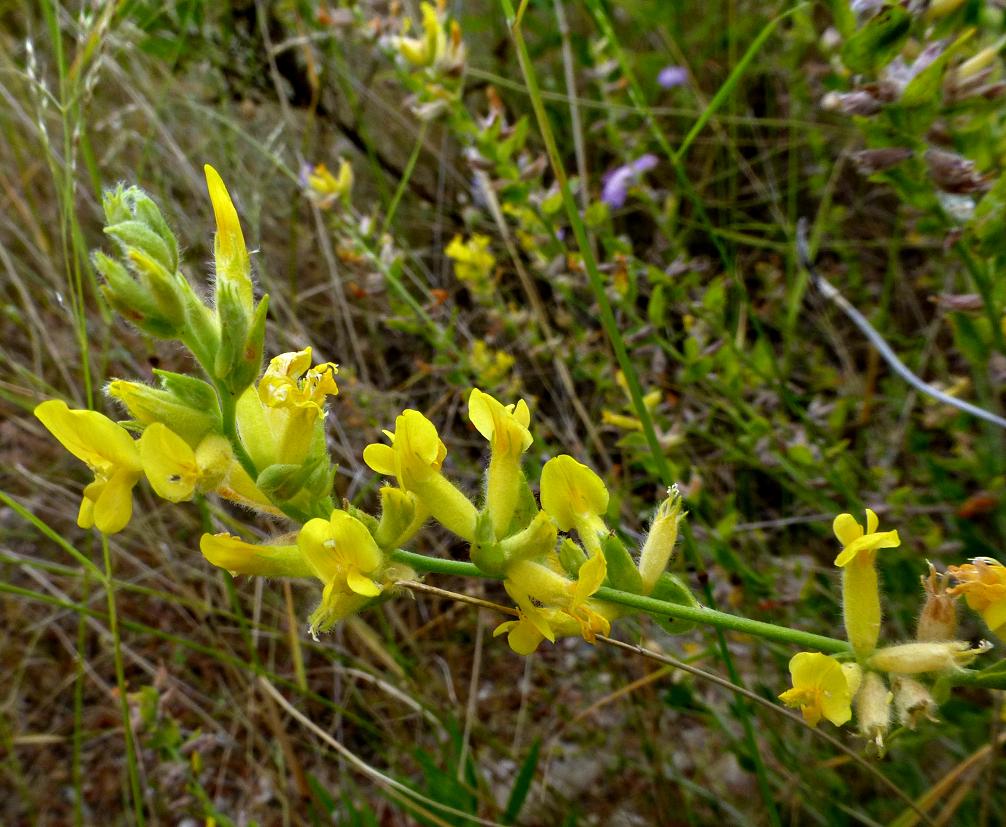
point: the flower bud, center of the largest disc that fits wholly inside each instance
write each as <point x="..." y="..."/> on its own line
<point x="916" y="658"/>
<point x="158" y="299"/>
<point x="873" y="709"/>
<point x="659" y="545"/>
<point x="401" y="518"/>
<point x="913" y="702"/>
<point x="186" y="404"/>
<point x="938" y="620"/>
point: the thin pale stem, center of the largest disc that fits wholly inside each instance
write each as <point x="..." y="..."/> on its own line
<point x="120" y="682"/>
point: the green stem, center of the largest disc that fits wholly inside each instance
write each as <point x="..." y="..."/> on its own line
<point x="406" y="175"/>
<point x="696" y="614"/>
<point x="120" y="682"/>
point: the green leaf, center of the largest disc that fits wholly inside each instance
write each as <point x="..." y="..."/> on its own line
<point x="522" y="785"/>
<point x="879" y="41"/>
<point x="925" y="86"/>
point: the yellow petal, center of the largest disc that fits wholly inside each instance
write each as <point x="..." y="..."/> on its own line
<point x="591" y="576"/>
<point x="169" y="463"/>
<point x="354" y="543"/>
<point x="524" y="638"/>
<point x="504" y="628"/>
<point x="89" y="435"/>
<point x="85" y="514"/>
<point x="480" y="414"/>
<point x="229" y="245"/>
<point x="312" y="541"/>
<point x="114" y="505"/>
<point x="362" y="585"/>
<point x="380" y="458"/>
<point x="871" y="521"/>
<point x="522" y="413"/>
<point x="846" y="529"/>
<point x="570" y="489"/>
<point x="238" y="557"/>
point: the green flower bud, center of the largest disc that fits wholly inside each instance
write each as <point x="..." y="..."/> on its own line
<point x="401" y="517"/>
<point x="186" y="404"/>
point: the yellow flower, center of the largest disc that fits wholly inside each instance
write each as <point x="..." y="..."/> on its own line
<point x="506" y="428"/>
<point x="344" y="556"/>
<point x="820" y="689"/>
<point x="414" y="459"/>
<point x="473" y="263"/>
<point x="549" y="601"/>
<point x="856" y="543"/>
<point x="575" y="497"/>
<point x="238" y="557"/>
<point x="532" y="626"/>
<point x="109" y="452"/>
<point x="277" y="420"/>
<point x="860" y="592"/>
<point x="325" y="186"/>
<point x="229" y="250"/>
<point x="983" y="584"/>
<point x="176" y="472"/>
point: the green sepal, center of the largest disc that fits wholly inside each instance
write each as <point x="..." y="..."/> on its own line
<point x="162" y="285"/>
<point x="282" y="482"/>
<point x="234" y="324"/>
<point x="672" y="589"/>
<point x="622" y="571"/>
<point x="137" y="235"/>
<point x="525" y="511"/>
<point x="486" y="552"/>
<point x="249" y="364"/>
<point x="571" y="556"/>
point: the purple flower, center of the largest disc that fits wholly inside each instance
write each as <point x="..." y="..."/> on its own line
<point x="616" y="183"/>
<point x="671" y="76"/>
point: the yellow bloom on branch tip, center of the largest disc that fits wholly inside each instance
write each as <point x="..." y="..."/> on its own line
<point x="415" y="454"/>
<point x="575" y="497"/>
<point x="856" y="542"/>
<point x="109" y="452"/>
<point x="345" y="557"/>
<point x="291" y="382"/>
<point x="820" y="689"/>
<point x="983" y="584"/>
<point x="229" y="248"/>
<point x="505" y="426"/>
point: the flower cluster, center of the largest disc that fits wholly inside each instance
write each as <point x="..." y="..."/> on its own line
<point x="882" y="682"/>
<point x="257" y="438"/>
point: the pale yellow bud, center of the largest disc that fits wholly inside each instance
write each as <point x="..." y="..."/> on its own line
<point x="913" y="702"/>
<point x="873" y="709"/>
<point x="916" y="658"/>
